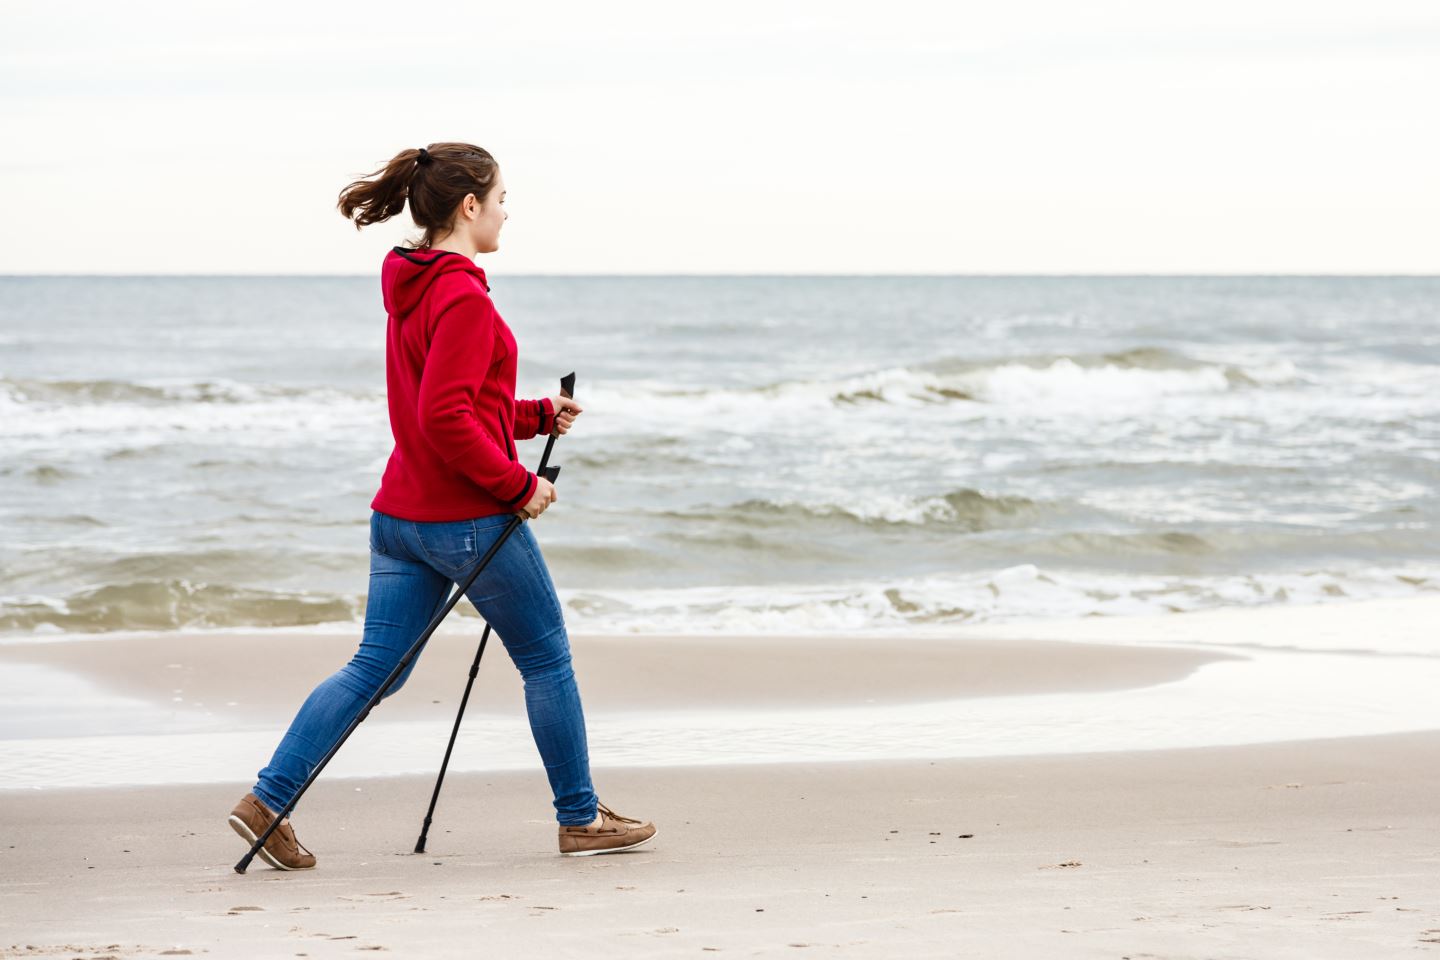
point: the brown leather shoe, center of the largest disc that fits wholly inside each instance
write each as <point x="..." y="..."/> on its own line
<point x="251" y="817"/>
<point x="614" y="834"/>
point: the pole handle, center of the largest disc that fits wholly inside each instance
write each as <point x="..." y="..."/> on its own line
<point x="567" y="389"/>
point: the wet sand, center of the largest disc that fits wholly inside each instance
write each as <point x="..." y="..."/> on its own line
<point x="267" y="675"/>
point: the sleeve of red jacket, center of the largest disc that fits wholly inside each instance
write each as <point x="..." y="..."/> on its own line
<point x="534" y="417"/>
<point x="459" y="354"/>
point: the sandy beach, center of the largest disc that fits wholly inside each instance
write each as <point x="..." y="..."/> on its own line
<point x="1296" y="850"/>
<point x="1304" y="848"/>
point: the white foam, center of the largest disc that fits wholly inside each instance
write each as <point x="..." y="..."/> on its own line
<point x="932" y="605"/>
<point x="250" y="418"/>
<point x="1060" y="386"/>
<point x="941" y="603"/>
<point x="624" y="406"/>
<point x="1064" y="383"/>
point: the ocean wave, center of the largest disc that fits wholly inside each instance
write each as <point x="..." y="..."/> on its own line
<point x="1055" y="382"/>
<point x="90" y="558"/>
<point x="762" y="529"/>
<point x="140" y="413"/>
<point x="1215" y="545"/>
<point x="1020" y="592"/>
<point x="171" y="604"/>
<point x="626" y="457"/>
<point x="1017" y="592"/>
<point x="964" y="508"/>
<point x="72" y="520"/>
<point x="1131" y="375"/>
<point x="128" y="418"/>
<point x="157" y="391"/>
<point x="44" y="474"/>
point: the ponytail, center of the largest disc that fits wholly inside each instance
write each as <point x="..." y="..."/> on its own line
<point x="434" y="179"/>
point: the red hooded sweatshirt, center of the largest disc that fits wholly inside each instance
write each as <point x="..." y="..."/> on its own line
<point x="450" y="379"/>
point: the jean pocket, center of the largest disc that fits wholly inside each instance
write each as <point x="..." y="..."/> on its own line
<point x="450" y="544"/>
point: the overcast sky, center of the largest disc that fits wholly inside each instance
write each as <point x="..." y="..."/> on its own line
<point x="734" y="137"/>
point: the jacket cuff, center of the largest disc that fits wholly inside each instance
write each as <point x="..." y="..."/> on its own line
<point x="547" y="416"/>
<point x="524" y="495"/>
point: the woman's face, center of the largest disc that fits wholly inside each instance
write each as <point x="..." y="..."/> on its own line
<point x="484" y="220"/>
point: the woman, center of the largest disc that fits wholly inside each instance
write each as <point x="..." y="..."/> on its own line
<point x="452" y="483"/>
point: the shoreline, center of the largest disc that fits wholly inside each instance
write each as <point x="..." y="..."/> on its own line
<point x="96" y="713"/>
<point x="206" y="708"/>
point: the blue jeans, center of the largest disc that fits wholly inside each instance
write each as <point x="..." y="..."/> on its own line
<point x="413" y="566"/>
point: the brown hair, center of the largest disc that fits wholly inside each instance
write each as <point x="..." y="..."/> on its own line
<point x="434" y="179"/>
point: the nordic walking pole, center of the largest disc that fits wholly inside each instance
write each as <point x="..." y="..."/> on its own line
<point x="567" y="389"/>
<point x="464" y="698"/>
<point x="549" y="473"/>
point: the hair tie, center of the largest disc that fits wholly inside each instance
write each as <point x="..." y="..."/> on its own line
<point x="424" y="157"/>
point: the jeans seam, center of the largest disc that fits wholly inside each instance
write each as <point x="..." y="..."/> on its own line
<point x="377" y="536"/>
<point x="430" y="560"/>
<point x="539" y="573"/>
<point x="424" y="548"/>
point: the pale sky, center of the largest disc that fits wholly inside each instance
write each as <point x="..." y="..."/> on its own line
<point x="735" y="137"/>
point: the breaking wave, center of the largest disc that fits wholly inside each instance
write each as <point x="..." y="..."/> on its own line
<point x="964" y="509"/>
<point x="1049" y="381"/>
<point x="172" y="604"/>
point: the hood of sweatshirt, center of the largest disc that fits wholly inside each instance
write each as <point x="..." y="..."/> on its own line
<point x="409" y="272"/>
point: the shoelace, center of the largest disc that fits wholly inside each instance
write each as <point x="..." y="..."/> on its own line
<point x="612" y="814"/>
<point x="284" y="824"/>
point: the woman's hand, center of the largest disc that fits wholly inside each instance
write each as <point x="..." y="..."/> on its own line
<point x="543" y="496"/>
<point x="566" y="410"/>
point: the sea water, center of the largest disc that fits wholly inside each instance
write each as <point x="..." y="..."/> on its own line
<point x="757" y="454"/>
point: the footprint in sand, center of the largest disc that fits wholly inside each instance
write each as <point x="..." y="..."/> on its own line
<point x="371" y="897"/>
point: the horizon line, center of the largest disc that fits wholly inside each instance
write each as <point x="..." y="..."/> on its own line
<point x="732" y="275"/>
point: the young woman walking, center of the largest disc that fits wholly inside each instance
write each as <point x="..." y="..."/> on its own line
<point x="452" y="483"/>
